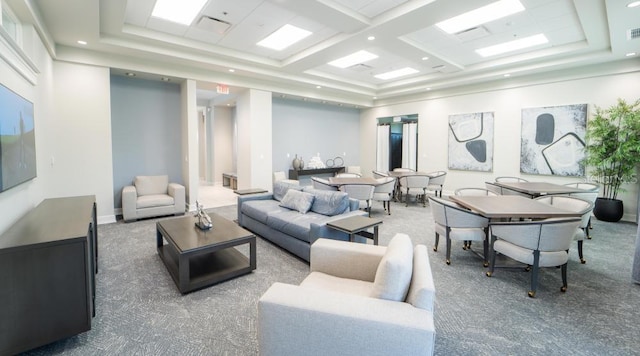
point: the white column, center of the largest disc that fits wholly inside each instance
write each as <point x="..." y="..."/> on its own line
<point x="254" y="161"/>
<point x="190" y="141"/>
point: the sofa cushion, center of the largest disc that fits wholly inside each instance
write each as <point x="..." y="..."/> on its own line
<point x="295" y="224"/>
<point x="259" y="210"/>
<point x="393" y="276"/>
<point x="297" y="200"/>
<point x="153" y="200"/>
<point x="280" y="189"/>
<point x="150" y="185"/>
<point x="328" y="202"/>
<point x="323" y="281"/>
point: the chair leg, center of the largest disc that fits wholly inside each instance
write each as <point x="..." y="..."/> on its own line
<point x="406" y="199"/>
<point x="448" y="259"/>
<point x="485" y="251"/>
<point x="435" y="247"/>
<point x="424" y="197"/>
<point x="589" y="227"/>
<point x="534" y="274"/>
<point x="564" y="278"/>
<point x="582" y="260"/>
<point x="389" y="207"/>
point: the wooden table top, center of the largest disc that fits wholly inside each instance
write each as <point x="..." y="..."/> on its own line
<point x="354" y="223"/>
<point x="510" y="206"/>
<point x="539" y="188"/>
<point x="336" y="181"/>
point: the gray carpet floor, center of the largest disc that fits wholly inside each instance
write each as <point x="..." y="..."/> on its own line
<point x="141" y="312"/>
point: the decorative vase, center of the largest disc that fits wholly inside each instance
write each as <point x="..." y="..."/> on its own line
<point x="296" y="163"/>
<point x="608" y="209"/>
<point x="301" y="163"/>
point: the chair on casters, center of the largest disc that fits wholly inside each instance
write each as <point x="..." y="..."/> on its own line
<point x="384" y="192"/>
<point x="360" y="192"/>
<point x="591" y="194"/>
<point x="506" y="179"/>
<point x="539" y="243"/>
<point x="415" y="183"/>
<point x="322" y="184"/>
<point x="436" y="181"/>
<point x="457" y="223"/>
<point x="474" y="191"/>
<point x="582" y="207"/>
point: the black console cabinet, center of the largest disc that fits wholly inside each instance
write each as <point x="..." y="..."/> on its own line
<point x="295" y="174"/>
<point x="48" y="261"/>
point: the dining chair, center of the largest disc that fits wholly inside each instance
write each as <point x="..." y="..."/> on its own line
<point x="591" y="194"/>
<point x="384" y="192"/>
<point x="379" y="174"/>
<point x="417" y="184"/>
<point x="474" y="191"/>
<point x="538" y="243"/>
<point x="281" y="176"/>
<point x="510" y="179"/>
<point x="348" y="175"/>
<point x="404" y="169"/>
<point x="583" y="207"/>
<point x="362" y="192"/>
<point x="457" y="223"/>
<point x="436" y="181"/>
<point x="322" y="184"/>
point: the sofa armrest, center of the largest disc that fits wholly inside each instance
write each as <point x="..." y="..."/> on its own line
<point x="346" y="259"/>
<point x="318" y="230"/>
<point x="294" y="320"/>
<point x="250" y="197"/>
<point x="178" y="193"/>
<point x="129" y="197"/>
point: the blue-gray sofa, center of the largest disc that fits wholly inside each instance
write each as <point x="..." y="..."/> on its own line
<point x="296" y="227"/>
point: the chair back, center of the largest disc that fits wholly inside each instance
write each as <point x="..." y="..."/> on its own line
<point x="507" y="191"/>
<point x="546" y="235"/>
<point x="510" y="179"/>
<point x="450" y="214"/>
<point x="404" y="170"/>
<point x="385" y="185"/>
<point x="416" y="181"/>
<point x="322" y="184"/>
<point x="437" y="178"/>
<point x="474" y="191"/>
<point x="591" y="193"/>
<point x="358" y="191"/>
<point x="354" y="169"/>
<point x="379" y="174"/>
<point x="279" y="175"/>
<point x="497" y="190"/>
<point x="570" y="203"/>
<point x="347" y="175"/>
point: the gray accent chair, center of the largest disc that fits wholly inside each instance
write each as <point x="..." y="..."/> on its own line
<point x="151" y="196"/>
<point x="359" y="299"/>
<point x="540" y="243"/>
<point x="457" y="223"/>
<point x="582" y="207"/>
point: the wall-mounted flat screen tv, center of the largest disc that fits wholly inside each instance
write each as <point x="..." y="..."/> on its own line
<point x="17" y="139"/>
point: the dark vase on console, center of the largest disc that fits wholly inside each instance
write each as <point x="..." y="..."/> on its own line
<point x="608" y="209"/>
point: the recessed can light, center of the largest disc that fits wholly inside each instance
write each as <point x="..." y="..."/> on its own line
<point x="630" y="54"/>
<point x="633" y="4"/>
<point x="371" y="38"/>
<point x="82" y="42"/>
<point x="232" y="70"/>
<point x="129" y="74"/>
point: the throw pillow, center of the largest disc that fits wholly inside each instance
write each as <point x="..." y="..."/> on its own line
<point x="393" y="276"/>
<point x="328" y="202"/>
<point x="297" y="200"/>
<point x="280" y="189"/>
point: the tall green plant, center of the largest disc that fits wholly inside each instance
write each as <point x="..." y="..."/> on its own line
<point x="613" y="146"/>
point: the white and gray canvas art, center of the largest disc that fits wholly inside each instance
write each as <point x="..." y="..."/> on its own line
<point x="471" y="141"/>
<point x="553" y="140"/>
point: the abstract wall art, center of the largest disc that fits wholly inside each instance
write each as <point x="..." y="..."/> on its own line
<point x="553" y="140"/>
<point x="471" y="141"/>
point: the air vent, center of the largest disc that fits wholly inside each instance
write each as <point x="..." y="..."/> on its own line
<point x="439" y="68"/>
<point x="472" y="34"/>
<point x="213" y="25"/>
<point x="633" y="33"/>
<point x="360" y="67"/>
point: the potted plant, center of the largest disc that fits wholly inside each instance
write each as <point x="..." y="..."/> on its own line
<point x="613" y="153"/>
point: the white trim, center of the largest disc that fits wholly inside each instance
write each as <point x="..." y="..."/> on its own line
<point x="17" y="58"/>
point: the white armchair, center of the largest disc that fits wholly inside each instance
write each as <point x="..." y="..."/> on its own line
<point x="152" y="196"/>
<point x="346" y="307"/>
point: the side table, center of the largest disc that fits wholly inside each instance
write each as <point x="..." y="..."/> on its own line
<point x="357" y="225"/>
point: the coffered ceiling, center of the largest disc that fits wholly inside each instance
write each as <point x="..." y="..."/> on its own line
<point x="224" y="37"/>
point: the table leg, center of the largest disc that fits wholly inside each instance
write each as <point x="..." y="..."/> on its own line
<point x="351" y="238"/>
<point x="252" y="254"/>
<point x="183" y="272"/>
<point x="375" y="235"/>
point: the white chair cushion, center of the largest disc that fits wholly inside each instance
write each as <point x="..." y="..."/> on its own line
<point x="319" y="280"/>
<point x="467" y="234"/>
<point x="393" y="275"/>
<point x="151" y="185"/>
<point x="148" y="201"/>
<point x="547" y="259"/>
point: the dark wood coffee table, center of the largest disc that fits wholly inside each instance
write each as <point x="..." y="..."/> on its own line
<point x="357" y="225"/>
<point x="196" y="258"/>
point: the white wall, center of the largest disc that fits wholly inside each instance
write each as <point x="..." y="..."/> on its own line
<point x="223" y="134"/>
<point x="506" y="105"/>
<point x="254" y="120"/>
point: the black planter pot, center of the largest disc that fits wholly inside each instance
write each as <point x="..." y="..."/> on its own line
<point x="608" y="209"/>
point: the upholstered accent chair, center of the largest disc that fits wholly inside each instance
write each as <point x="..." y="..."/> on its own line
<point x="151" y="196"/>
<point x="379" y="174"/>
<point x="457" y="223"/>
<point x="539" y="243"/>
<point x="591" y="194"/>
<point x="436" y="182"/>
<point x="497" y="190"/>
<point x="384" y="192"/>
<point x="348" y="175"/>
<point x="354" y="169"/>
<point x="322" y="184"/>
<point x="359" y="299"/>
<point x="582" y="207"/>
<point x="416" y="184"/>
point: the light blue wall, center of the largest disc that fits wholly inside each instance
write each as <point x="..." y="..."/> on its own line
<point x="307" y="129"/>
<point x="145" y="130"/>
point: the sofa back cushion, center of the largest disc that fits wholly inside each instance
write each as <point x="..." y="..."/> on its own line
<point x="297" y="200"/>
<point x="328" y="202"/>
<point x="150" y="185"/>
<point x="280" y="189"/>
<point x="393" y="276"/>
<point x="422" y="292"/>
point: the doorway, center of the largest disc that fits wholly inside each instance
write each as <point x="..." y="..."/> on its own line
<point x="397" y="145"/>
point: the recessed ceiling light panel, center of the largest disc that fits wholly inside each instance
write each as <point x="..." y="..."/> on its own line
<point x="513" y="45"/>
<point x="396" y="73"/>
<point x="182" y="12"/>
<point x="353" y="59"/>
<point x="479" y="16"/>
<point x="284" y="37"/>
